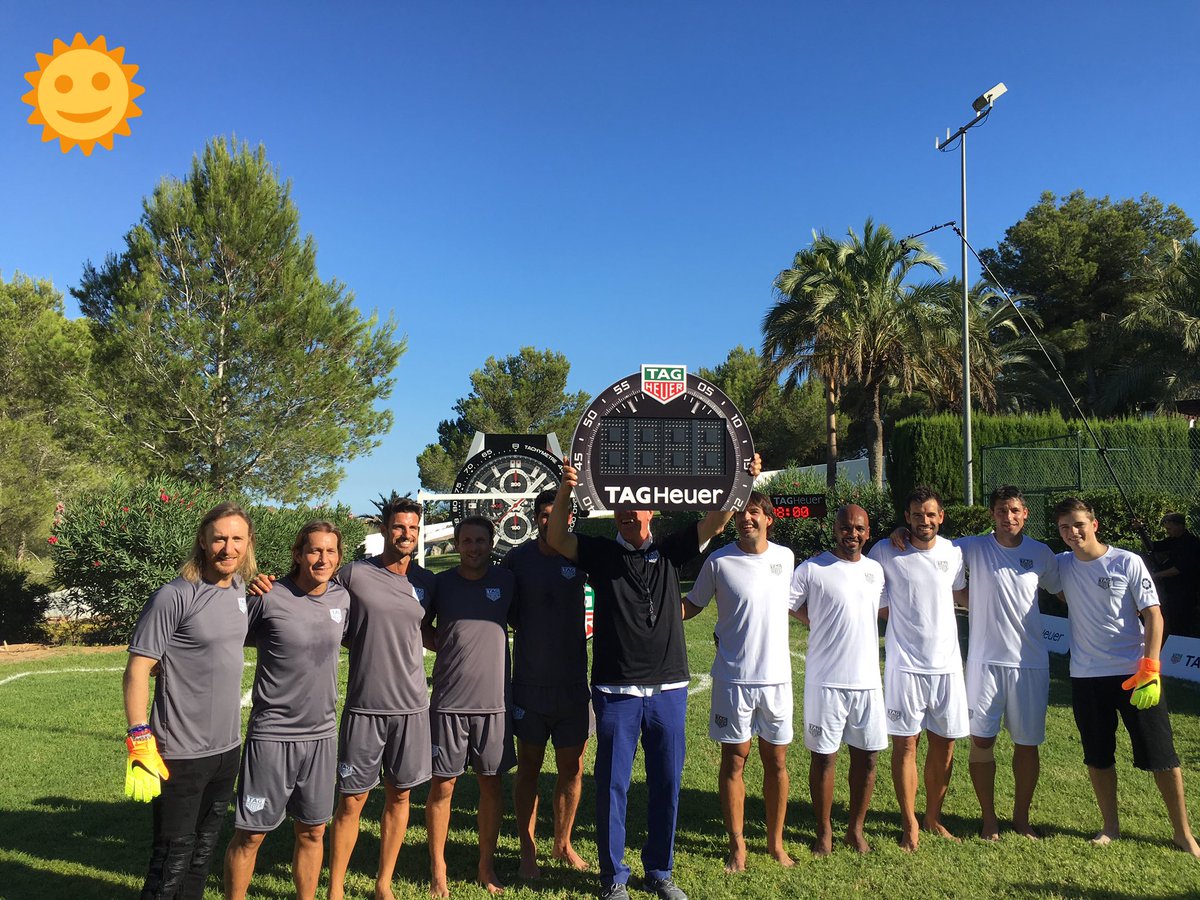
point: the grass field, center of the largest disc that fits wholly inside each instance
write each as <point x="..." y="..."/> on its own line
<point x="67" y="831"/>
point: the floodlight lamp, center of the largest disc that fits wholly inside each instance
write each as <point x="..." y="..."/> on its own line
<point x="987" y="98"/>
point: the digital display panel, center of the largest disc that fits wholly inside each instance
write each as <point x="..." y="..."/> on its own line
<point x="799" y="506"/>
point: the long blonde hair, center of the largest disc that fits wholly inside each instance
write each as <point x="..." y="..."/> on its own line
<point x="193" y="569"/>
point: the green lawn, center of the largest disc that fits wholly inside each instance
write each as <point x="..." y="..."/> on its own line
<point x="67" y="831"/>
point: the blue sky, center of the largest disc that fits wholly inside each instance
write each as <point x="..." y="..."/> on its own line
<point x="619" y="181"/>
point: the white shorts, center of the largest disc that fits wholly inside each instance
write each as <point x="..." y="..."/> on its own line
<point x="836" y="715"/>
<point x="1020" y="695"/>
<point x="742" y="711"/>
<point x="918" y="701"/>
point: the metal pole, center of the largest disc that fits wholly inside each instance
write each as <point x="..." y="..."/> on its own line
<point x="968" y="481"/>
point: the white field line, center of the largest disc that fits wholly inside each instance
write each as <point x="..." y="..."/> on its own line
<point x="703" y="683"/>
<point x="18" y="675"/>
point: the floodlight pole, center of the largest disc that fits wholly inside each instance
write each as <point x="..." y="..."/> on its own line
<point x="983" y="107"/>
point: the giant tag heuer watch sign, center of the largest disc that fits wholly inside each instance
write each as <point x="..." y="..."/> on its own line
<point x="662" y="439"/>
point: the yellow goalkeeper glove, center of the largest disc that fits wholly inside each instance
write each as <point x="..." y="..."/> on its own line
<point x="1145" y="683"/>
<point x="144" y="769"/>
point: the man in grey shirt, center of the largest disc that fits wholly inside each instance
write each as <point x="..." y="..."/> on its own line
<point x="385" y="722"/>
<point x="467" y="624"/>
<point x="291" y="743"/>
<point x="550" y="686"/>
<point x="190" y="635"/>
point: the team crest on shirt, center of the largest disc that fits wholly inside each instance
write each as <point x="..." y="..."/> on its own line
<point x="776" y="568"/>
<point x="420" y="591"/>
<point x="1026" y="564"/>
<point x="255" y="804"/>
<point x="568" y="572"/>
<point x="493" y="594"/>
<point x="241" y="604"/>
<point x="518" y="713"/>
<point x="870" y="576"/>
<point x="652" y="556"/>
<point x="1145" y="584"/>
<point x="894" y="715"/>
<point x="943" y="565"/>
<point x="1104" y="581"/>
<point x="721" y="721"/>
<point x="815" y="730"/>
<point x="435" y="751"/>
<point x="345" y="770"/>
<point x="336" y="615"/>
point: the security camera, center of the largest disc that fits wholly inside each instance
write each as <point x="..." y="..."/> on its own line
<point x="987" y="98"/>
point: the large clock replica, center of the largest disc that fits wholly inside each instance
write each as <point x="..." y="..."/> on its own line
<point x="662" y="439"/>
<point x="505" y="467"/>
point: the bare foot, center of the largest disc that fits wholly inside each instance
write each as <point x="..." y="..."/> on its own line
<point x="487" y="877"/>
<point x="529" y="868"/>
<point x="438" y="886"/>
<point x="1104" y="838"/>
<point x="781" y="856"/>
<point x="856" y="842"/>
<point x="1187" y="844"/>
<point x="568" y="855"/>
<point x="384" y="892"/>
<point x="908" y="840"/>
<point x="940" y="830"/>
<point x="990" y="830"/>
<point x="736" y="860"/>
<point x="1027" y="830"/>
<point x="822" y="845"/>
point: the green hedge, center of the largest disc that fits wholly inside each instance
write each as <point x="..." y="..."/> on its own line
<point x="928" y="450"/>
<point x="116" y="548"/>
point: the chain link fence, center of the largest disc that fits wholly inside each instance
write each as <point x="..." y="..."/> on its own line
<point x="1070" y="463"/>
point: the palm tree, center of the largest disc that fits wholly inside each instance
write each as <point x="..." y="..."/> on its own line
<point x="1008" y="369"/>
<point x="844" y="311"/>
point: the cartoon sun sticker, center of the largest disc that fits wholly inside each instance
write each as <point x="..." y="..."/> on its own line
<point x="83" y="94"/>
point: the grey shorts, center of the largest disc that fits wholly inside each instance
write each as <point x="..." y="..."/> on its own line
<point x="482" y="739"/>
<point x="281" y="778"/>
<point x="399" y="745"/>
<point x="561" y="715"/>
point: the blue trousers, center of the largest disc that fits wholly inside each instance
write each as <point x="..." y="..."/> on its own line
<point x="659" y="722"/>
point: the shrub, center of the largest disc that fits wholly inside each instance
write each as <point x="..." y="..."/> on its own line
<point x="117" y="548"/>
<point x="22" y="606"/>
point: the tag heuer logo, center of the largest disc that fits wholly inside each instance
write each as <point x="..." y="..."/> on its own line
<point x="256" y="804"/>
<point x="943" y="565"/>
<point x="721" y="721"/>
<point x="568" y="572"/>
<point x="894" y="715"/>
<point x="493" y="594"/>
<point x="776" y="568"/>
<point x="664" y="383"/>
<point x="1176" y="657"/>
<point x="1026" y="564"/>
<point x="1104" y="582"/>
<point x="336" y="615"/>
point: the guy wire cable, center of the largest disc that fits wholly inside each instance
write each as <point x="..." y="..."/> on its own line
<point x="1137" y="524"/>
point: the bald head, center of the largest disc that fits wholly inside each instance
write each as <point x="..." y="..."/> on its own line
<point x="852" y="530"/>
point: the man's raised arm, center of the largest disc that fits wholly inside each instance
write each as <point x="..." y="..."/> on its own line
<point x="714" y="523"/>
<point x="558" y="535"/>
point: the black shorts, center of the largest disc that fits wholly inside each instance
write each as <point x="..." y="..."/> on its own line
<point x="1097" y="702"/>
<point x="559" y="714"/>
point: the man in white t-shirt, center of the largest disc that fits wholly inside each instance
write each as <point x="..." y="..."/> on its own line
<point x="752" y="670"/>
<point x="1008" y="667"/>
<point x="1116" y="637"/>
<point x="837" y="594"/>
<point x="923" y="676"/>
